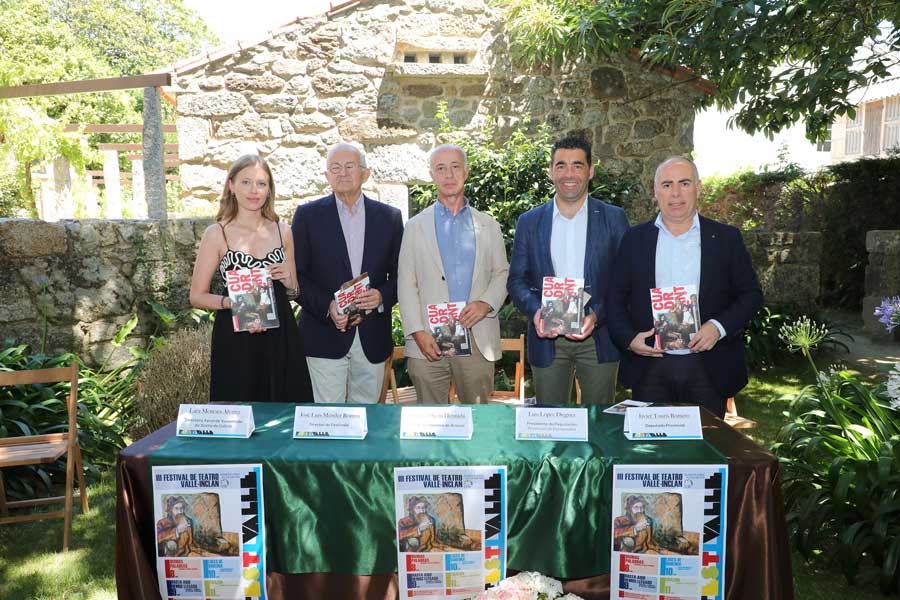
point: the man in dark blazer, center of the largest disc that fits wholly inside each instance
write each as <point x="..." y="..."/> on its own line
<point x="336" y="238"/>
<point x="573" y="235"/>
<point x="677" y="248"/>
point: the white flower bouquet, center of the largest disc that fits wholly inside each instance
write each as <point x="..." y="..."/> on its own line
<point x="527" y="585"/>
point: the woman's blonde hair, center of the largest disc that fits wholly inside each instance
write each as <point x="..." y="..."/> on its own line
<point x="228" y="206"/>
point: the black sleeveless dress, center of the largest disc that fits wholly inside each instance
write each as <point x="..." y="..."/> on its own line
<point x="258" y="367"/>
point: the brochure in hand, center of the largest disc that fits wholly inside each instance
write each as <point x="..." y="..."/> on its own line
<point x="676" y="317"/>
<point x="449" y="334"/>
<point x="562" y="305"/>
<point x="252" y="299"/>
<point x="347" y="296"/>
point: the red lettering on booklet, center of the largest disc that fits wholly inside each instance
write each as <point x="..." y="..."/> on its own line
<point x="666" y="300"/>
<point x="242" y="282"/>
<point x="558" y="289"/>
<point x="438" y="316"/>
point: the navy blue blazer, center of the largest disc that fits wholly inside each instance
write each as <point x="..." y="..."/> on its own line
<point x="323" y="265"/>
<point x="531" y="262"/>
<point x="729" y="293"/>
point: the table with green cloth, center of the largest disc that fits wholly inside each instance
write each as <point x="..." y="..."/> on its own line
<point x="329" y="504"/>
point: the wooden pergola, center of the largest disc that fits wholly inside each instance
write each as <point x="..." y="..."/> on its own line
<point x="152" y="146"/>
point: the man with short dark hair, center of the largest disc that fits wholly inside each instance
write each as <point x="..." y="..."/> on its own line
<point x="576" y="236"/>
<point x="682" y="248"/>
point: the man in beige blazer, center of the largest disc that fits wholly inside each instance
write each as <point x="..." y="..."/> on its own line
<point x="452" y="253"/>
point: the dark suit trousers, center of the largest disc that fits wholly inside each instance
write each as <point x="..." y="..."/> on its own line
<point x="679" y="378"/>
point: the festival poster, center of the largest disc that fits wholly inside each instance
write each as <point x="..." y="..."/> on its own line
<point x="210" y="537"/>
<point x="668" y="532"/>
<point x="451" y="530"/>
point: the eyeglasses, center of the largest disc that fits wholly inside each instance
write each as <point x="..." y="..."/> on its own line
<point x="344" y="168"/>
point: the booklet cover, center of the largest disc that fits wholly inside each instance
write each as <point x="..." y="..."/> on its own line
<point x="676" y="317"/>
<point x="252" y="298"/>
<point x="451" y="530"/>
<point x="451" y="337"/>
<point x="210" y="536"/>
<point x="668" y="532"/>
<point x="346" y="298"/>
<point x="562" y="305"/>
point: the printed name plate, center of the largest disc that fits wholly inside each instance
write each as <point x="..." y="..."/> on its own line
<point x="215" y="420"/>
<point x="330" y="423"/>
<point x="436" y="423"/>
<point x="562" y="424"/>
<point x="663" y="423"/>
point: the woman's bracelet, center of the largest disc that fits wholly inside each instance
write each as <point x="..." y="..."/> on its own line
<point x="292" y="292"/>
<point x="222" y="302"/>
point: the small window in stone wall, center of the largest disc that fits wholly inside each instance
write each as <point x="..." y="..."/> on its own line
<point x="459" y="59"/>
<point x="409" y="57"/>
<point x="434" y="58"/>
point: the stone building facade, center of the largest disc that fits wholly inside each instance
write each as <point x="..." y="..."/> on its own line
<point x="377" y="72"/>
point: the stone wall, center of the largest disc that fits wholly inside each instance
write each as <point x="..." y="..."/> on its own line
<point x="788" y="266"/>
<point x="85" y="279"/>
<point x="376" y="74"/>
<point x="99" y="273"/>
<point x="882" y="276"/>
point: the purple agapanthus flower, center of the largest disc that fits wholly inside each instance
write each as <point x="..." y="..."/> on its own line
<point x="888" y="312"/>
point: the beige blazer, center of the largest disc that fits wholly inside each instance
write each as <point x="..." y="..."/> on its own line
<point x="421" y="281"/>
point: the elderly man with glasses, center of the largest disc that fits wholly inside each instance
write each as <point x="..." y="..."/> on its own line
<point x="337" y="238"/>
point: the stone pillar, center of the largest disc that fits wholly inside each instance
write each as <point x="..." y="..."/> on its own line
<point x="154" y="175"/>
<point x="62" y="186"/>
<point x="113" y="186"/>
<point x="882" y="276"/>
<point x="138" y="202"/>
<point x="91" y="204"/>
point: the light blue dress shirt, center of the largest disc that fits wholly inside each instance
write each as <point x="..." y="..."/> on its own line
<point x="568" y="238"/>
<point x="678" y="259"/>
<point x="456" y="243"/>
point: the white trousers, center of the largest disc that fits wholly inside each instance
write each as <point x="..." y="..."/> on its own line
<point x="349" y="379"/>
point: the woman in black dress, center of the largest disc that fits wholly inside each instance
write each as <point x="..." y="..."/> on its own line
<point x="260" y="365"/>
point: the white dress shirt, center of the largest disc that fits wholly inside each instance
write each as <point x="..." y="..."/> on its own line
<point x="678" y="259"/>
<point x="568" y="238"/>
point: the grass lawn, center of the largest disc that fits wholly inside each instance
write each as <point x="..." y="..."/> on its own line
<point x="33" y="568"/>
<point x="760" y="401"/>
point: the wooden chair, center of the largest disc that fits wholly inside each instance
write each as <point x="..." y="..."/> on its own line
<point x="404" y="395"/>
<point x="45" y="449"/>
<point x="515" y="396"/>
<point x="407" y="395"/>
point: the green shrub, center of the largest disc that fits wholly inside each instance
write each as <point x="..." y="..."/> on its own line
<point x="763" y="346"/>
<point x="105" y="402"/>
<point x="785" y="198"/>
<point x="175" y="372"/>
<point x="840" y="451"/>
<point x="865" y="195"/>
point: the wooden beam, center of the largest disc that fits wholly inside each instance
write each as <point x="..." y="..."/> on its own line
<point x="116" y="128"/>
<point x="166" y="156"/>
<point x="86" y="85"/>
<point x="135" y="147"/>
<point x="99" y="179"/>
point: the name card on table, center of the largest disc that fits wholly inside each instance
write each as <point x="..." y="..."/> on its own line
<point x="562" y="424"/>
<point x="663" y="423"/>
<point x="330" y="423"/>
<point x="215" y="420"/>
<point x="436" y="423"/>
